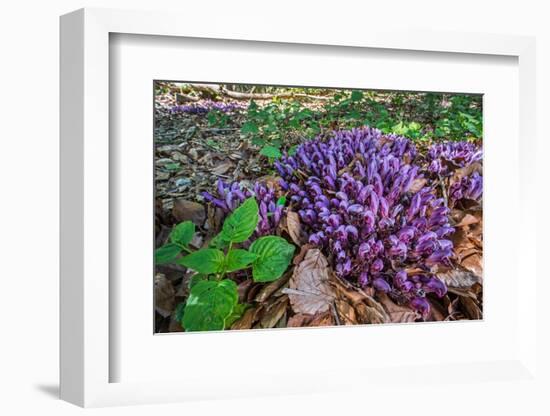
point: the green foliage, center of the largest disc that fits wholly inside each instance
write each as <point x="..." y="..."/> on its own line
<point x="209" y="305"/>
<point x="271" y="152"/>
<point x="274" y="255"/>
<point x="238" y="259"/>
<point x="167" y="253"/>
<point x="180" y="237"/>
<point x="217" y="119"/>
<point x="204" y="261"/>
<point x="418" y="116"/>
<point x="240" y="225"/>
<point x="212" y="302"/>
<point x="183" y="233"/>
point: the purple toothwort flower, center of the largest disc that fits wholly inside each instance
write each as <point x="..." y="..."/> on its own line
<point x="358" y="182"/>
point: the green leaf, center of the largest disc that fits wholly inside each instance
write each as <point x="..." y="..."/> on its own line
<point x="167" y="253"/>
<point x="183" y="233"/>
<point x="205" y="261"/>
<point x="292" y="151"/>
<point x="209" y="305"/>
<point x="218" y="242"/>
<point x="356" y="96"/>
<point x="281" y="201"/>
<point x="271" y="152"/>
<point x="196" y="278"/>
<point x="238" y="259"/>
<point x="274" y="255"/>
<point x="240" y="225"/>
<point x="249" y="127"/>
<point x="258" y="140"/>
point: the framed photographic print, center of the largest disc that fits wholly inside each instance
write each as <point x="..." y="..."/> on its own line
<point x="325" y="210"/>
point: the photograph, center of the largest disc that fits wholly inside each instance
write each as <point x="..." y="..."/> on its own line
<point x="292" y="206"/>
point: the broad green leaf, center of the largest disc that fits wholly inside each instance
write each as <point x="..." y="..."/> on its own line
<point x="258" y="140"/>
<point x="274" y="255"/>
<point x="356" y="96"/>
<point x="209" y="305"/>
<point x="238" y="259"/>
<point x="240" y="225"/>
<point x="249" y="127"/>
<point x="281" y="201"/>
<point x="205" y="261"/>
<point x="183" y="233"/>
<point x="271" y="152"/>
<point x="196" y="278"/>
<point x="167" y="253"/>
<point x="218" y="242"/>
<point x="238" y="311"/>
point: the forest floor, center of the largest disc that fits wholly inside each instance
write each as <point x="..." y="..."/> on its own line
<point x="194" y="151"/>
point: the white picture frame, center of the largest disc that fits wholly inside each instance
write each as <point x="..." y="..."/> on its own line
<point x="86" y="351"/>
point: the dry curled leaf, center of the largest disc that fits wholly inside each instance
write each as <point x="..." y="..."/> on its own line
<point x="473" y="263"/>
<point x="295" y="228"/>
<point x="470" y="307"/>
<point x="309" y="289"/>
<point x="246" y="320"/>
<point x="323" y="319"/>
<point x="417" y="185"/>
<point x="346" y="313"/>
<point x="367" y="309"/>
<point x="271" y="288"/>
<point x="164" y="295"/>
<point x="274" y="313"/>
<point x="222" y="168"/>
<point x="466" y="171"/>
<point x="396" y="313"/>
<point x="458" y="278"/>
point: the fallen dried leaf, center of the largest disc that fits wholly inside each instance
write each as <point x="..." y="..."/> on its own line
<point x="369" y="310"/>
<point x="246" y="321"/>
<point x="294" y="228"/>
<point x="471" y="308"/>
<point x="303" y="251"/>
<point x="309" y="288"/>
<point x="458" y="278"/>
<point x="465" y="171"/>
<point x="323" y="319"/>
<point x="164" y="295"/>
<point x="396" y="313"/>
<point x="300" y="319"/>
<point x="417" y="185"/>
<point x="274" y="313"/>
<point x="468" y="219"/>
<point x="473" y="263"/>
<point x="271" y="288"/>
<point x="222" y="168"/>
<point x="346" y="313"/>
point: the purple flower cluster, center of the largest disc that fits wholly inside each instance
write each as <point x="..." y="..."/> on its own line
<point x="204" y="107"/>
<point x="231" y="195"/>
<point x="469" y="187"/>
<point x="352" y="194"/>
<point x="460" y="154"/>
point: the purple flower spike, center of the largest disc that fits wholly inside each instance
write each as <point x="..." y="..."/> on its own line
<point x="436" y="286"/>
<point x="381" y="285"/>
<point x="421" y="305"/>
